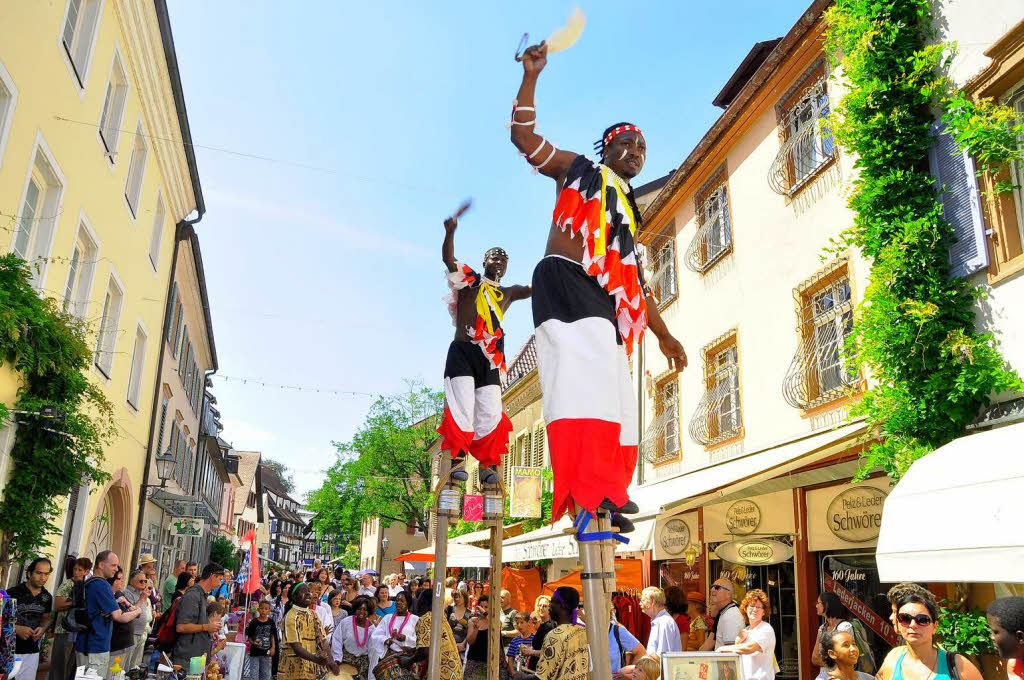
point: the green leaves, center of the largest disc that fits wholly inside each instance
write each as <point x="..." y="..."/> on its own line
<point x="51" y="455"/>
<point x="915" y="327"/>
<point x="964" y="632"/>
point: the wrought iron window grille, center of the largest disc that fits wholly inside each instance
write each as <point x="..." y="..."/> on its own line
<point x="718" y="416"/>
<point x="663" y="282"/>
<point x="713" y="239"/>
<point x="820" y="370"/>
<point x="808" y="144"/>
<point x="661" y="443"/>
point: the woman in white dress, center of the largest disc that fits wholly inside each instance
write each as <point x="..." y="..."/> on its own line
<point x="350" y="642"/>
<point x="395" y="634"/>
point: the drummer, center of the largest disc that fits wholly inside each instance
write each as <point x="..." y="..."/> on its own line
<point x="351" y="640"/>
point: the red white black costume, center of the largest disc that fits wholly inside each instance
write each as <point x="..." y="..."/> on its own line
<point x="474" y="420"/>
<point x="588" y="318"/>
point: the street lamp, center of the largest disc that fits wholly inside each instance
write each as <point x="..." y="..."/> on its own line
<point x="384" y="543"/>
<point x="165" y="466"/>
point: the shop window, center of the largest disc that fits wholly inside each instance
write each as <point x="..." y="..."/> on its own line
<point x="713" y="240"/>
<point x="717" y="417"/>
<point x="820" y="372"/>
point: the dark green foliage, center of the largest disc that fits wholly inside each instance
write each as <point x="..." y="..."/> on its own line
<point x="915" y="329"/>
<point x="222" y="551"/>
<point x="51" y="454"/>
<point x="964" y="632"/>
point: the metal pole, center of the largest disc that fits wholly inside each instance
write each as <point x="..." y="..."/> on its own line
<point x="598" y="581"/>
<point x="440" y="566"/>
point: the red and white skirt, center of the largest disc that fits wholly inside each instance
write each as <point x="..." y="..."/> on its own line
<point x="474" y="420"/>
<point x="589" y="403"/>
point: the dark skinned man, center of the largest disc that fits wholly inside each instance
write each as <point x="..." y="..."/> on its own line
<point x="474" y="420"/>
<point x="301" y="657"/>
<point x="564" y="654"/>
<point x="590" y="308"/>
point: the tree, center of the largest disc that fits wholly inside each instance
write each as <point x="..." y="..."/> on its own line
<point x="350" y="558"/>
<point x="223" y="552"/>
<point x="283" y="474"/>
<point x="384" y="470"/>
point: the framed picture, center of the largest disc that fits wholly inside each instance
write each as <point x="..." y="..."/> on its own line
<point x="701" y="666"/>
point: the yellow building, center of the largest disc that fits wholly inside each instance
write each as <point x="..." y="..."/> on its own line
<point x="91" y="191"/>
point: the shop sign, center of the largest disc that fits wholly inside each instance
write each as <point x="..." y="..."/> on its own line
<point x="743" y="517"/>
<point x="754" y="551"/>
<point x="526" y="492"/>
<point x="861" y="610"/>
<point x="186" y="526"/>
<point x="855" y="515"/>
<point x="674" y="537"/>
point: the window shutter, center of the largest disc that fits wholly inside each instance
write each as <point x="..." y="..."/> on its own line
<point x="961" y="205"/>
<point x="171" y="308"/>
<point x="539" y="439"/>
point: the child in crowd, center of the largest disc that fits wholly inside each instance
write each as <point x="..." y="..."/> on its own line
<point x="215" y="614"/>
<point x="524" y="628"/>
<point x="263" y="642"/>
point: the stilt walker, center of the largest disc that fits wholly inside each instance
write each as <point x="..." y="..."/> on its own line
<point x="590" y="309"/>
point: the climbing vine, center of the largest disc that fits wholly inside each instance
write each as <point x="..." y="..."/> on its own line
<point x="63" y="419"/>
<point x="915" y="328"/>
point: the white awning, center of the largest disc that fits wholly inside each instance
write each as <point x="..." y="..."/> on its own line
<point x="551" y="542"/>
<point x="955" y="515"/>
<point x="458" y="555"/>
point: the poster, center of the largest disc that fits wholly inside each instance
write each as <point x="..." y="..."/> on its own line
<point x="526" y="492"/>
<point x="473" y="507"/>
<point x="700" y="666"/>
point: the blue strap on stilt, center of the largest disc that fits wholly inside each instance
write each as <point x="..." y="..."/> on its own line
<point x="580" y="525"/>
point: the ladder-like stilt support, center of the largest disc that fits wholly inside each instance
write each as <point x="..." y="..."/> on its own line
<point x="447" y="494"/>
<point x="598" y="582"/>
<point x="494" y="511"/>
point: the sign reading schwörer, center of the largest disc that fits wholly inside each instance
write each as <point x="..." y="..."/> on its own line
<point x="855" y="515"/>
<point x="742" y="518"/>
<point x="674" y="537"/>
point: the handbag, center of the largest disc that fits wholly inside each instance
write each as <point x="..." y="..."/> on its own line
<point x="954" y="674"/>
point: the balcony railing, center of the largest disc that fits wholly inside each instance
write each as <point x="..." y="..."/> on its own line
<point x="809" y="143"/>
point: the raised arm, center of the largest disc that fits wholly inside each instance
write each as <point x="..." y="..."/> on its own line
<point x="540" y="153"/>
<point x="513" y="293"/>
<point x="448" y="245"/>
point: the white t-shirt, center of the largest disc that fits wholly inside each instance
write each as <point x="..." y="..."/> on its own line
<point x="323" y="612"/>
<point x="729" y="626"/>
<point x="844" y="626"/>
<point x="352" y="638"/>
<point x="664" y="634"/>
<point x="760" y="665"/>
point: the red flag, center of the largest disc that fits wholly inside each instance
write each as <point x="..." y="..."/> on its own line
<point x="253" y="584"/>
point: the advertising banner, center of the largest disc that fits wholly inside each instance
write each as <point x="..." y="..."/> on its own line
<point x="526" y="492"/>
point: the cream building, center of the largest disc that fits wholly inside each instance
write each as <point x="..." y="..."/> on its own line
<point x="91" y="195"/>
<point x="379" y="546"/>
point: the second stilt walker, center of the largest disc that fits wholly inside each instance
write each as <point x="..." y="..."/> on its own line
<point x="474" y="421"/>
<point x="590" y="309"/>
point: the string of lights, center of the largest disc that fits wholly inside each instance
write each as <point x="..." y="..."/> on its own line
<point x="293" y="388"/>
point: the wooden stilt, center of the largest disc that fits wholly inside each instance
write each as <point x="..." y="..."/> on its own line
<point x="494" y="507"/>
<point x="598" y="582"/>
<point x="441" y="514"/>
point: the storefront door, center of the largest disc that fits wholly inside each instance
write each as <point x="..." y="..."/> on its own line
<point x="779" y="582"/>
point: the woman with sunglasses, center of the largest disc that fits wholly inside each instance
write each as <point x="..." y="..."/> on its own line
<point x="756" y="643"/>
<point x="921" y="659"/>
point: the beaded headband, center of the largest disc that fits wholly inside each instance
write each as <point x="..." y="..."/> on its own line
<point x="615" y="132"/>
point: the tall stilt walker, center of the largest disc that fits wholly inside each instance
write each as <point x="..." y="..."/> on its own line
<point x="590" y="309"/>
<point x="474" y="421"/>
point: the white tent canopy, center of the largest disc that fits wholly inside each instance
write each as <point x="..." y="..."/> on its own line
<point x="955" y="515"/>
<point x="459" y="555"/>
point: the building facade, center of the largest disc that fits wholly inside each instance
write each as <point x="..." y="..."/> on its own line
<point x="379" y="545"/>
<point x="285" y="524"/>
<point x="91" y="200"/>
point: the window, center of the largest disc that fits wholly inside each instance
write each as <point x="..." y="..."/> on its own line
<point x="807" y="142"/>
<point x="136" y="171"/>
<point x="106" y="339"/>
<point x="539" y="444"/>
<point x="717" y="417"/>
<point x="957" y="188"/>
<point x="138" y="362"/>
<point x="819" y="372"/>
<point x="172" y="308"/>
<point x="661" y="437"/>
<point x="81" y="270"/>
<point x="183" y="358"/>
<point x="40" y="209"/>
<point x="713" y="239"/>
<point x="79" y="34"/>
<point x="8" y="98"/>
<point x="158" y="232"/>
<point x="112" y="113"/>
<point x="1005" y="210"/>
<point x="663" y="280"/>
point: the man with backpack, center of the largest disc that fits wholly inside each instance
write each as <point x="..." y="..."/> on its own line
<point x="190" y="620"/>
<point x="94" y="612"/>
<point x="34" y="606"/>
<point x="62" y="654"/>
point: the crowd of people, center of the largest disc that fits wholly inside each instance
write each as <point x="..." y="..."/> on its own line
<point x="300" y="625"/>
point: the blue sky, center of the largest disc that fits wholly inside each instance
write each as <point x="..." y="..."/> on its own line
<point x="331" y="276"/>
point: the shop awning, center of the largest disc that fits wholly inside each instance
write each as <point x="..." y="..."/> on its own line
<point x="955" y="515"/>
<point x="459" y="555"/>
<point x="709" y="484"/>
<point x="552" y="543"/>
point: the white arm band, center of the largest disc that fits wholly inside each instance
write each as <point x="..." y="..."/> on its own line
<point x="542" y="143"/>
<point x="552" y="155"/>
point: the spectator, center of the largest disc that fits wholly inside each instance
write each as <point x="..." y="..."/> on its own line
<point x="664" y="631"/>
<point x="62" y="660"/>
<point x="393" y="585"/>
<point x="263" y="642"/>
<point x="171" y="584"/>
<point x="647" y="668"/>
<point x="93" y="648"/>
<point x="728" y="617"/>
<point x="193" y="569"/>
<point x="756" y="643"/>
<point x="300" y="655"/>
<point x="832" y="610"/>
<point x="225" y="588"/>
<point x="564" y="652"/>
<point x="450" y="663"/>
<point x="450" y="584"/>
<point x="137" y="593"/>
<point x="917" y="618"/>
<point x="838" y="650"/>
<point x="507" y="616"/>
<point x="542" y="610"/>
<point x="324" y="579"/>
<point x="477" y="640"/>
<point x="477" y="593"/>
<point x="34" y="606"/>
<point x="1006" y="619"/>
<point x="894" y="595"/>
<point x="413" y="591"/>
<point x="366" y="585"/>
<point x="457" y="614"/>
<point x="700" y="622"/>
<point x="193" y="624"/>
<point x="623" y="647"/>
<point x="147" y="564"/>
<point x="425" y="587"/>
<point x="524" y="637"/>
<point x="334" y="601"/>
<point x="385" y="605"/>
<point x="675" y="603"/>
<point x="184" y="582"/>
<point x="322" y="609"/>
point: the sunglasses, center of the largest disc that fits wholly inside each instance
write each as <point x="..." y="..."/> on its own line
<point x="920" y="619"/>
<point x="718" y="587"/>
